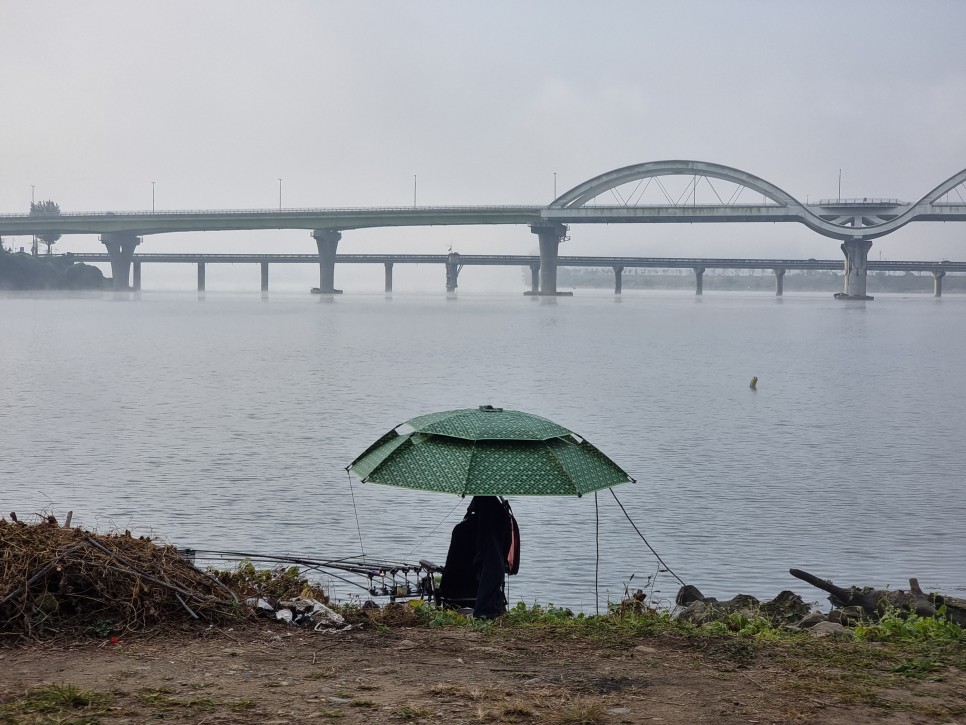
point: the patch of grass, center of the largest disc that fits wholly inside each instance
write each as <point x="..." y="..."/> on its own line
<point x="332" y="714"/>
<point x="517" y="709"/>
<point x="918" y="668"/>
<point x="362" y="703"/>
<point x="446" y="689"/>
<point x="202" y="704"/>
<point x="59" y="703"/>
<point x="240" y="705"/>
<point x="412" y="712"/>
<point x="391" y="615"/>
<point x="579" y="713"/>
<point x="160" y="690"/>
<point x="738" y="652"/>
<point x="160" y="699"/>
<point x="483" y="715"/>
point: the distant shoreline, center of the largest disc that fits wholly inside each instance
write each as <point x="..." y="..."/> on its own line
<point x="20" y="271"/>
<point x="806" y="281"/>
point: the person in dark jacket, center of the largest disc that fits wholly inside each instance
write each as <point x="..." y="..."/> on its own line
<point x="477" y="561"/>
<point x="490" y="560"/>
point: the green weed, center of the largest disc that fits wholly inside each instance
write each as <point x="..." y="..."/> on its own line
<point x="918" y="668"/>
<point x="897" y="626"/>
<point x="62" y="703"/>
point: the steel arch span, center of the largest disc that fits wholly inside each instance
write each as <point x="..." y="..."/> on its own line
<point x="836" y="218"/>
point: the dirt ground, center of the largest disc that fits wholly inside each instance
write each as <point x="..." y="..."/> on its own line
<point x="274" y="673"/>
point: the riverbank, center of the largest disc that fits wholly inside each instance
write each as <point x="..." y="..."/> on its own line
<point x="112" y="628"/>
<point x="540" y="671"/>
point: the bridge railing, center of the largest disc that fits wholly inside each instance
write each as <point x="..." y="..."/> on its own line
<point x="864" y="201"/>
<point x="284" y="212"/>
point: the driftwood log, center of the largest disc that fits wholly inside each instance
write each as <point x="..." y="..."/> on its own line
<point x="875" y="602"/>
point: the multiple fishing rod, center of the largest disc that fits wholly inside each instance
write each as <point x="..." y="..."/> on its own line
<point x="385" y="578"/>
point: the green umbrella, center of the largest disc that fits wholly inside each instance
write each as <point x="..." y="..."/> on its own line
<point x="487" y="451"/>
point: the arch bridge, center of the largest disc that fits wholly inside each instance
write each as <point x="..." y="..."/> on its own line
<point x="650" y="192"/>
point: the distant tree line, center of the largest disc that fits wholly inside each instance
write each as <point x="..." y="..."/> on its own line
<point x="45" y="208"/>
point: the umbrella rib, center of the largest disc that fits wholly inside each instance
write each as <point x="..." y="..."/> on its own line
<point x="565" y="472"/>
<point x="466" y="478"/>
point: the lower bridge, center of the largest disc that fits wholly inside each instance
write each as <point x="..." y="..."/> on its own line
<point x="454" y="262"/>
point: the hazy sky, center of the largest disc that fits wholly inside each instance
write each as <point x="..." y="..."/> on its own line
<point x="483" y="103"/>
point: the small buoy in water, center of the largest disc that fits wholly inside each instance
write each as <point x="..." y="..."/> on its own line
<point x="754" y="383"/>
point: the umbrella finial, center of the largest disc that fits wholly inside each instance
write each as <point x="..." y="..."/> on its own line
<point x="490" y="409"/>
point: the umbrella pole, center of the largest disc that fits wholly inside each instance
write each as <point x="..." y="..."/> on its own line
<point x="596" y="554"/>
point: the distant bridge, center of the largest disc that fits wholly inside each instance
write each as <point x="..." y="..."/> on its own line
<point x="616" y="197"/>
<point x="454" y="262"/>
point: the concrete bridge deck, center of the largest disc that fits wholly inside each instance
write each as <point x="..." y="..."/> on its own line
<point x="454" y="262"/>
<point x="523" y="260"/>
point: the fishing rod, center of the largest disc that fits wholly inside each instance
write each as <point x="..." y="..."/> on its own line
<point x="372" y="570"/>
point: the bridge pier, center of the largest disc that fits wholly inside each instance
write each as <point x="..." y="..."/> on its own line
<point x="264" y="276"/>
<point x="550" y="235"/>
<point x="136" y="283"/>
<point x="937" y="283"/>
<point x="328" y="242"/>
<point x="779" y="282"/>
<point x="453" y="268"/>
<point x="618" y="278"/>
<point x="699" y="281"/>
<point x="388" y="267"/>
<point x="856" y="251"/>
<point x="534" y="279"/>
<point x="120" y="249"/>
<point x="201" y="276"/>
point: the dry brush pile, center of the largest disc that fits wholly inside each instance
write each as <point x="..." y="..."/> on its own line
<point x="55" y="578"/>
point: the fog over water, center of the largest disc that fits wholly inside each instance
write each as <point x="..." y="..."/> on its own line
<point x="225" y="422"/>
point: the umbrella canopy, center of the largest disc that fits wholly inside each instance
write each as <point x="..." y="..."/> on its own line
<point x="488" y="452"/>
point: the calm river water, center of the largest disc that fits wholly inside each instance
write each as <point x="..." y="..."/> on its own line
<point x="226" y="423"/>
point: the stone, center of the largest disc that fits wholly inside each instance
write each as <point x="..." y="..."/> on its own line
<point x="827" y="629"/>
<point x="846" y="615"/>
<point x="740" y="603"/>
<point x="811" y="620"/>
<point x="697" y="613"/>
<point x="785" y="608"/>
<point x="688" y="594"/>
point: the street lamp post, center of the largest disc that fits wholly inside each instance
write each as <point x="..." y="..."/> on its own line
<point x="33" y="244"/>
<point x="152" y="196"/>
<point x="280" y="195"/>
